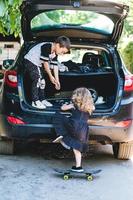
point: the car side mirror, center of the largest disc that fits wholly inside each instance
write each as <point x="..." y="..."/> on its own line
<point x="7" y="63"/>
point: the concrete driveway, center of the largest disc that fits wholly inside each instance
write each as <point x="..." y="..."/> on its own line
<point x="30" y="175"/>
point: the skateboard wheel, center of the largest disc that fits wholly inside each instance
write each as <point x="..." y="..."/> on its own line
<point x="66" y="177"/>
<point x="89" y="178"/>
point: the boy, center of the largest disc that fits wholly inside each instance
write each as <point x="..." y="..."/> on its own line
<point x="44" y="54"/>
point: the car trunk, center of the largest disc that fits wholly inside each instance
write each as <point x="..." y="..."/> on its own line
<point x="101" y="78"/>
<point x="99" y="82"/>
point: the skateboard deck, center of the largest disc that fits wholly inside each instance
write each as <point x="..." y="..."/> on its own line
<point x="88" y="173"/>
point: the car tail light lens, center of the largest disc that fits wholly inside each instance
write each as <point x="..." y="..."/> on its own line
<point x="128" y="83"/>
<point x="123" y="123"/>
<point x="14" y="120"/>
<point x="11" y="78"/>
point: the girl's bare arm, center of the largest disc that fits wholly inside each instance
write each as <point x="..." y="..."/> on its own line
<point x="67" y="106"/>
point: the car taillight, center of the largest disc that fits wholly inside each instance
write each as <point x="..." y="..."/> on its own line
<point x="123" y="123"/>
<point x="14" y="120"/>
<point x="11" y="78"/>
<point x="128" y="83"/>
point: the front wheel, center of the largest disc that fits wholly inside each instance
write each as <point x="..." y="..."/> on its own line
<point x="123" y="151"/>
<point x="65" y="177"/>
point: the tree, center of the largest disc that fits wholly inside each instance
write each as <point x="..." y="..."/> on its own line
<point x="10" y="17"/>
<point x="128" y="56"/>
<point x="128" y="29"/>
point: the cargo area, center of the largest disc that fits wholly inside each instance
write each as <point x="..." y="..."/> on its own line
<point x="85" y="67"/>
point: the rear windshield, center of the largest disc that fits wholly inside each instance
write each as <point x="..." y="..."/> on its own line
<point x="81" y="19"/>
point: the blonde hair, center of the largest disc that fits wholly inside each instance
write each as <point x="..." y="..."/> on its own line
<point x="83" y="100"/>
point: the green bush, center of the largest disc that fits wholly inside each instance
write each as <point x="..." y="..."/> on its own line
<point x="127" y="54"/>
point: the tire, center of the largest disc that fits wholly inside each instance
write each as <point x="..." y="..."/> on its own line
<point x="123" y="151"/>
<point x="6" y="147"/>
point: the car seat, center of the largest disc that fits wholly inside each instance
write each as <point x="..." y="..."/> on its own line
<point x="93" y="59"/>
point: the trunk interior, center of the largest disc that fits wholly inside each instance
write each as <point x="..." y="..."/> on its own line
<point x="83" y="69"/>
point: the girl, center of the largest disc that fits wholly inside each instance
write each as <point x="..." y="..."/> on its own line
<point x="73" y="132"/>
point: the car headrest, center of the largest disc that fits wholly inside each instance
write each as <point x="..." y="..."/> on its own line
<point x="92" y="59"/>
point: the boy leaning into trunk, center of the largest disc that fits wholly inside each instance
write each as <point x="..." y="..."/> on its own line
<point x="44" y="55"/>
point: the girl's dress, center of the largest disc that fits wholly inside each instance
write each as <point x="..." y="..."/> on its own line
<point x="74" y="129"/>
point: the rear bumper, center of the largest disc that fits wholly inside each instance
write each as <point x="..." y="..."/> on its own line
<point x="46" y="131"/>
<point x="112" y="134"/>
<point x="25" y="131"/>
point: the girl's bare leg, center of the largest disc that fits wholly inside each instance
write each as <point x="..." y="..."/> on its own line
<point x="78" y="157"/>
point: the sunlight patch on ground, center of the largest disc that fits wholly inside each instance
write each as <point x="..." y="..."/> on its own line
<point x="132" y="158"/>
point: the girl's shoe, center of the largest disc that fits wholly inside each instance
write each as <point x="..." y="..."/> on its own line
<point x="58" y="139"/>
<point x="77" y="169"/>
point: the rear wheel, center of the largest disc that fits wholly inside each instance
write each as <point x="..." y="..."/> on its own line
<point x="90" y="178"/>
<point x="7" y="147"/>
<point x="123" y="151"/>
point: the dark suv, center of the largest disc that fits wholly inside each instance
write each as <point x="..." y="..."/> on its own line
<point x="94" y="28"/>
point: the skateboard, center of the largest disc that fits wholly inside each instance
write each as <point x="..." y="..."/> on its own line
<point x="88" y="173"/>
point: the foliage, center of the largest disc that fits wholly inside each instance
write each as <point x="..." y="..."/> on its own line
<point x="82" y="17"/>
<point x="10" y="17"/>
<point x="128" y="29"/>
<point x="0" y="50"/>
<point x="60" y="16"/>
<point x="127" y="54"/>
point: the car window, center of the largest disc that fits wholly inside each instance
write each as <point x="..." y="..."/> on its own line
<point x="81" y="19"/>
<point x="77" y="56"/>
